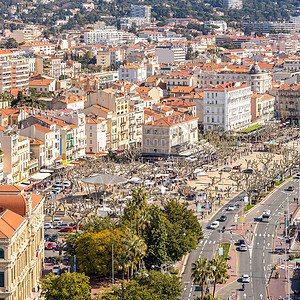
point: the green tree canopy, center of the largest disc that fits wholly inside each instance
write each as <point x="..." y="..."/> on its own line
<point x="67" y="286"/>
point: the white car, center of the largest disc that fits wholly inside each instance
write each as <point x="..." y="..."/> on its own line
<point x="245" y="278"/>
<point x="56" y="270"/>
<point x="214" y="225"/>
<point x="231" y="208"/>
<point x="48" y="226"/>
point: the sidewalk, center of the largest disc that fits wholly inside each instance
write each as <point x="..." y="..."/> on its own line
<point x="246" y="231"/>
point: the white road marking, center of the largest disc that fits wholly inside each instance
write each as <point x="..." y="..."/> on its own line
<point x="257" y="243"/>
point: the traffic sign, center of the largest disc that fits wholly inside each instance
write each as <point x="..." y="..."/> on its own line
<point x="246" y="199"/>
<point x="242" y="219"/>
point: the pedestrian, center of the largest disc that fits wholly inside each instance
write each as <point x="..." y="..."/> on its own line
<point x="38" y="287"/>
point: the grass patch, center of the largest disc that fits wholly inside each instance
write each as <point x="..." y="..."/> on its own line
<point x="279" y="182"/>
<point x="288" y="177"/>
<point x="247" y="207"/>
<point x="226" y="247"/>
<point x="251" y="128"/>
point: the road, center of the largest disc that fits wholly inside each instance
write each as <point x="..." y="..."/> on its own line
<point x="257" y="261"/>
<point x="207" y="247"/>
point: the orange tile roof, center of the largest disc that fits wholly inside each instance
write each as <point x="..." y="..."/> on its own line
<point x="37" y="44"/>
<point x="221" y="88"/>
<point x="42" y="128"/>
<point x="172" y="120"/>
<point x="41" y="82"/>
<point x="9" y="223"/>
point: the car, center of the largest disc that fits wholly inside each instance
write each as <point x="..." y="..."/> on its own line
<point x="236" y="168"/>
<point x="242" y="242"/>
<point x="63" y="225"/>
<point x="248" y="171"/>
<point x="53" y="238"/>
<point x="47" y="237"/>
<point x="56" y="270"/>
<point x="79" y="227"/>
<point x="66" y="229"/>
<point x="66" y="184"/>
<point x="245" y="278"/>
<point x="243" y="247"/>
<point x="57" y="220"/>
<point x="223" y="218"/>
<point x="214" y="225"/>
<point x="297" y="177"/>
<point x="290" y="188"/>
<point x="226" y="169"/>
<point x="231" y="208"/>
<point x="48" y="226"/>
<point x="49" y="246"/>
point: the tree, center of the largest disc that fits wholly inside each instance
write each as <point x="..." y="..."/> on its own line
<point x="200" y="272"/>
<point x="151" y="285"/>
<point x="156" y="238"/>
<point x="217" y="271"/>
<point x="11" y="43"/>
<point x="67" y="286"/>
<point x="94" y="251"/>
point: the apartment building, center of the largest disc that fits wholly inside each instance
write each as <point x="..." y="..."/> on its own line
<point x="103" y="35"/>
<point x="233" y="4"/>
<point x="43" y="85"/>
<point x="21" y="242"/>
<point x="39" y="47"/>
<point x="111" y="119"/>
<point x="14" y="74"/>
<point x="169" y="54"/>
<point x="50" y="66"/>
<point x="133" y="73"/>
<point x="103" y="59"/>
<point x="16" y="162"/>
<point x="166" y="135"/>
<point x="262" y="107"/>
<point x="26" y="35"/>
<point x="286" y="104"/>
<point x="115" y="101"/>
<point x="260" y="82"/>
<point x="179" y="78"/>
<point x="141" y="11"/>
<point x="96" y="130"/>
<point x="227" y="108"/>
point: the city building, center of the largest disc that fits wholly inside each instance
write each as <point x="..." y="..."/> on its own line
<point x="227" y="108"/>
<point x="166" y="135"/>
<point x="39" y="47"/>
<point x="50" y="66"/>
<point x="133" y="73"/>
<point x="169" y="54"/>
<point x="233" y="4"/>
<point x="103" y="35"/>
<point x="262" y="107"/>
<point x="103" y="59"/>
<point x="96" y="134"/>
<point x="216" y="25"/>
<point x="26" y="35"/>
<point x="21" y="242"/>
<point x="141" y="11"/>
<point x="44" y="85"/>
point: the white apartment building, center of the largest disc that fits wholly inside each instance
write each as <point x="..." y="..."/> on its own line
<point x="107" y="34"/>
<point x="133" y="73"/>
<point x="260" y="82"/>
<point x="163" y="136"/>
<point x="17" y="156"/>
<point x="50" y="137"/>
<point x="170" y="54"/>
<point x="96" y="132"/>
<point x="27" y="35"/>
<point x="221" y="25"/>
<point x="14" y="74"/>
<point x="233" y="4"/>
<point x="227" y="108"/>
<point x="39" y="47"/>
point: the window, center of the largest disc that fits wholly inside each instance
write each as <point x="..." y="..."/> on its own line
<point x="163" y="142"/>
<point x="147" y="150"/>
<point x="147" y="131"/>
<point x="1" y="253"/>
<point x="148" y="142"/>
<point x="155" y="150"/>
<point x="163" y="131"/>
<point x="155" y="131"/>
<point x="91" y="127"/>
<point x="155" y="143"/>
<point x="91" y="142"/>
<point x="1" y="279"/>
<point x="91" y="134"/>
<point x="163" y="151"/>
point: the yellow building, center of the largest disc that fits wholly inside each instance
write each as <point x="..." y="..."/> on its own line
<point x="21" y="242"/>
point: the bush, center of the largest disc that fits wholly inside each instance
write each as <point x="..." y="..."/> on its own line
<point x="297" y="255"/>
<point x="175" y="272"/>
<point x="291" y="257"/>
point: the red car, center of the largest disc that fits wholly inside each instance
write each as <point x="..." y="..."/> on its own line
<point x="236" y="167"/>
<point x="49" y="246"/>
<point x="66" y="229"/>
<point x="79" y="227"/>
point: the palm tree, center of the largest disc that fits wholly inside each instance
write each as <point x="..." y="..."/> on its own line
<point x="218" y="271"/>
<point x="124" y="262"/>
<point x="200" y="271"/>
<point x="135" y="247"/>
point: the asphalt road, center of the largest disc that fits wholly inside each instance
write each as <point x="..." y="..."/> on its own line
<point x="257" y="261"/>
<point x="207" y="247"/>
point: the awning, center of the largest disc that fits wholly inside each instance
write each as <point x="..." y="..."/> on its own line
<point x="40" y="176"/>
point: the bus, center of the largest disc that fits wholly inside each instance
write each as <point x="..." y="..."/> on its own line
<point x="266" y="216"/>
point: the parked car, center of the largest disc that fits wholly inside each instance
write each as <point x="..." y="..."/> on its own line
<point x="46" y="237"/>
<point x="231" y="208"/>
<point x="49" y="246"/>
<point x="79" y="227"/>
<point x="226" y="169"/>
<point x="66" y="229"/>
<point x="56" y="270"/>
<point x="48" y="226"/>
<point x="245" y="278"/>
<point x="236" y="167"/>
<point x="63" y="225"/>
<point x="214" y="225"/>
<point x="242" y="242"/>
<point x="290" y="188"/>
<point x="53" y="238"/>
<point x="243" y="247"/>
<point x="248" y="171"/>
<point x="223" y="218"/>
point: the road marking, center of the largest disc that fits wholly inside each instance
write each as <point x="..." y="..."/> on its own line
<point x="255" y="234"/>
<point x="209" y="242"/>
<point x="214" y="242"/>
<point x="191" y="289"/>
<point x="257" y="243"/>
<point x="268" y="244"/>
<point x="264" y="269"/>
<point x="201" y="242"/>
<point x="268" y="234"/>
<point x="264" y="261"/>
<point x="263" y="253"/>
<point x="260" y="234"/>
<point x="264" y="241"/>
<point x="189" y="295"/>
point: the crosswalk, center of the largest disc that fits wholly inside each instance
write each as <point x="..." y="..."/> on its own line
<point x="264" y="235"/>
